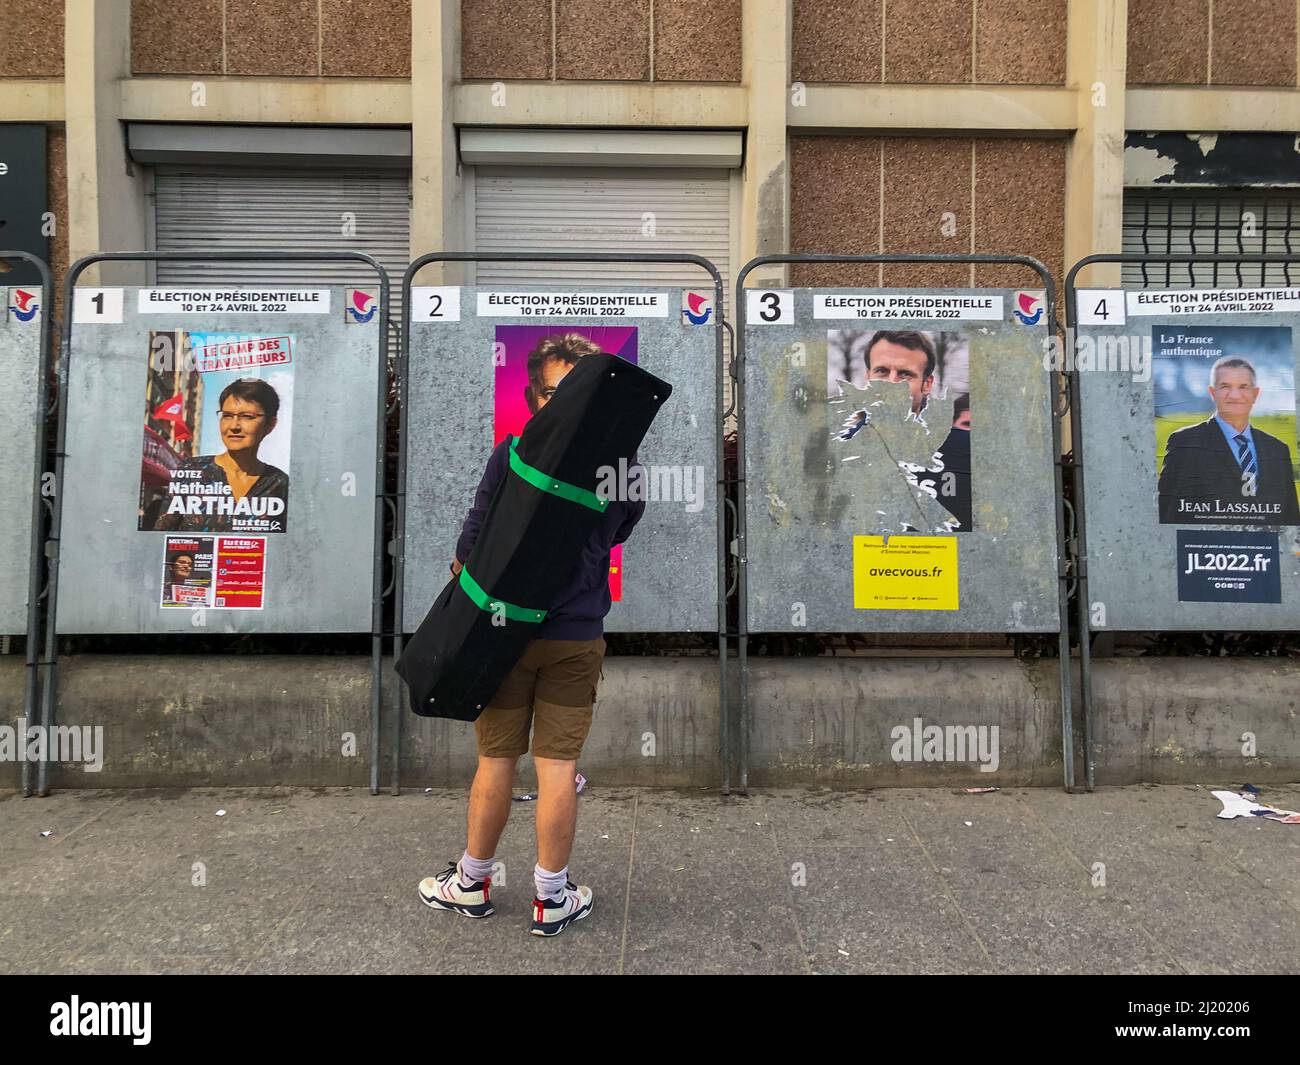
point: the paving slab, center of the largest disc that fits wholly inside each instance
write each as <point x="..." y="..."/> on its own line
<point x="1124" y="880"/>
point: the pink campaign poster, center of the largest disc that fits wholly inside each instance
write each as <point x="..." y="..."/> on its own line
<point x="530" y="361"/>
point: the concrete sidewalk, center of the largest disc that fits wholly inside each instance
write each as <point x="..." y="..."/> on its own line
<point x="892" y="881"/>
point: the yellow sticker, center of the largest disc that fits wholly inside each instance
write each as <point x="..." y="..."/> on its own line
<point x="908" y="573"/>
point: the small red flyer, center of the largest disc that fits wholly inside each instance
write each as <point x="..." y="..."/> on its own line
<point x="240" y="577"/>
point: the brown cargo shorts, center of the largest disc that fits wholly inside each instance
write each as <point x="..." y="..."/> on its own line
<point x="552" y="689"/>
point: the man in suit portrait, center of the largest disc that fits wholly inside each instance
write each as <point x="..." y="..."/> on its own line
<point x="1225" y="470"/>
<point x="908" y="356"/>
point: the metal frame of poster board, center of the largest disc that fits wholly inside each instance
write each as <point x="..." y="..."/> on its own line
<point x="378" y="591"/>
<point x="1055" y="414"/>
<point x="41" y="411"/>
<point x="1084" y="618"/>
<point x="399" y="549"/>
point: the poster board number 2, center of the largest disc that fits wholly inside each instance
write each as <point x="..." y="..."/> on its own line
<point x="440" y="303"/>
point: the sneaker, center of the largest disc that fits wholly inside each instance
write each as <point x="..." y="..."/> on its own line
<point x="446" y="891"/>
<point x="553" y="916"/>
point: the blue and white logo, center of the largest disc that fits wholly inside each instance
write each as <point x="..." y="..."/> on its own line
<point x="1029" y="307"/>
<point x="697" y="308"/>
<point x="360" y="306"/>
<point x="24" y="303"/>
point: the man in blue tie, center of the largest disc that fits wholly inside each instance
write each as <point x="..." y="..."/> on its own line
<point x="1225" y="470"/>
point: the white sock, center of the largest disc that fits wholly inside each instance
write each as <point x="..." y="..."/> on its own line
<point x="550" y="885"/>
<point x="476" y="868"/>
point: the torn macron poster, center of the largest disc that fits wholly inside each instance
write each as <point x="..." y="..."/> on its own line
<point x="900" y="400"/>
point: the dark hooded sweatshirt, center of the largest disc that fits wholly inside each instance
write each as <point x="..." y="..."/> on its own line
<point x="579" y="611"/>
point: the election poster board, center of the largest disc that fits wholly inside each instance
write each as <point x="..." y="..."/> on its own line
<point x="899" y="462"/>
<point x="483" y="361"/>
<point x="20" y="362"/>
<point x="1191" y="457"/>
<point x="220" y="469"/>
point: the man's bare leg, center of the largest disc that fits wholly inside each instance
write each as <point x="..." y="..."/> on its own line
<point x="557" y="811"/>
<point x="489" y="805"/>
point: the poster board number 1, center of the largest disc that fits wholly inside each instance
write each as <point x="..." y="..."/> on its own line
<point x="97" y="306"/>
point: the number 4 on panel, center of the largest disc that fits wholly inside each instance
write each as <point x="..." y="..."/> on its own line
<point x="1100" y="306"/>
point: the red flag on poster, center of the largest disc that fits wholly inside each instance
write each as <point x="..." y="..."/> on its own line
<point x="173" y="410"/>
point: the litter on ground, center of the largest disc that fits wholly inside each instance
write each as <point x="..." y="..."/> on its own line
<point x="1235" y="805"/>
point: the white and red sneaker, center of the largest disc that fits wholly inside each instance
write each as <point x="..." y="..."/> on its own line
<point x="447" y="891"/>
<point x="553" y="916"/>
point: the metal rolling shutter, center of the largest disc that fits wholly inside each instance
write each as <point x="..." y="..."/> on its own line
<point x="550" y="208"/>
<point x="221" y="208"/>
<point x="1223" y="221"/>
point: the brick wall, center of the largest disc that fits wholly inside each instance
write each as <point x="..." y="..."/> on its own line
<point x="31" y="39"/>
<point x="999" y="42"/>
<point x="282" y="38"/>
<point x="594" y="40"/>
<point x="1212" y="42"/>
<point x="864" y="195"/>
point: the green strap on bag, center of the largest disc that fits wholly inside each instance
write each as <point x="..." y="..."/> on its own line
<point x="545" y="483"/>
<point x="554" y="485"/>
<point x="483" y="601"/>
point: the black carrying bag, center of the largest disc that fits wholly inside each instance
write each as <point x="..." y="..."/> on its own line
<point x="531" y="542"/>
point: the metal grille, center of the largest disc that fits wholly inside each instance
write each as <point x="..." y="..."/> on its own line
<point x="1212" y="221"/>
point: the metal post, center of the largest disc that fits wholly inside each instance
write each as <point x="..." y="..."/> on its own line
<point x="724" y="548"/>
<point x="1063" y="635"/>
<point x="56" y="517"/>
<point x="1076" y="402"/>
<point x="30" y="683"/>
<point x="400" y="531"/>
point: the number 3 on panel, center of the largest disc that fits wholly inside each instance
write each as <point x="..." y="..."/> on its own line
<point x="765" y="306"/>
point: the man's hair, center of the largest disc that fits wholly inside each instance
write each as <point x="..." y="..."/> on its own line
<point x="255" y="390"/>
<point x="1232" y="362"/>
<point x="961" y="404"/>
<point x="562" y="347"/>
<point x="906" y="338"/>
